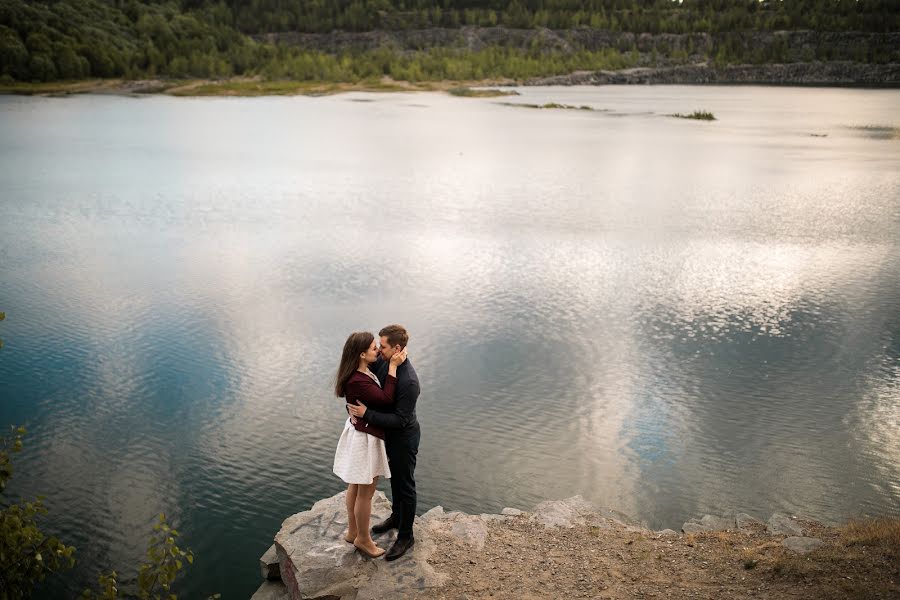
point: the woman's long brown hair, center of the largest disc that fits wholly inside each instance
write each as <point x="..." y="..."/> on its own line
<point x="356" y="344"/>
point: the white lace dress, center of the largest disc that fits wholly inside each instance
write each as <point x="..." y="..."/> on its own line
<point x="360" y="457"/>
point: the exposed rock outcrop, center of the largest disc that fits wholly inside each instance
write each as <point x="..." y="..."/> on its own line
<point x="780" y="524"/>
<point x="779" y="57"/>
<point x="802" y="545"/>
<point x="313" y="561"/>
<point x="791" y="45"/>
<point x="807" y="73"/>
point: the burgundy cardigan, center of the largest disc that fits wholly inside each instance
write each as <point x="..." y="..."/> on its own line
<point x="362" y="389"/>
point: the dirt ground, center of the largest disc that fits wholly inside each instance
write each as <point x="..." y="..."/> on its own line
<point x="523" y="560"/>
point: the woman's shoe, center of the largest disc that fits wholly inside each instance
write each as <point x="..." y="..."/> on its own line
<point x="348" y="538"/>
<point x="365" y="552"/>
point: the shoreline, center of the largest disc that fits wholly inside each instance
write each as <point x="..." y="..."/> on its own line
<point x="233" y="87"/>
<point x="806" y="75"/>
<point x="573" y="549"/>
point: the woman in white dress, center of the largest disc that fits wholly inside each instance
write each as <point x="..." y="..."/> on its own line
<point x="360" y="458"/>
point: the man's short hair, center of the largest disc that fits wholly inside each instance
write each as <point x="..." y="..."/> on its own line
<point x="396" y="335"/>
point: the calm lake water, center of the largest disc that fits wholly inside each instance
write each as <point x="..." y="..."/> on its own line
<point x="670" y="317"/>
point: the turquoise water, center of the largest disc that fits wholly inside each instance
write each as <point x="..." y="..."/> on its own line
<point x="669" y="317"/>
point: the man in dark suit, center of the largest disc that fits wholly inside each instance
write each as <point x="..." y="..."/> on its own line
<point x="401" y="438"/>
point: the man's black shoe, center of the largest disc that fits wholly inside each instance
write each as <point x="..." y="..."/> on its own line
<point x="399" y="548"/>
<point x="385" y="525"/>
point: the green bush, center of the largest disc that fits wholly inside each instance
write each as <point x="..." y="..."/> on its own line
<point x="27" y="555"/>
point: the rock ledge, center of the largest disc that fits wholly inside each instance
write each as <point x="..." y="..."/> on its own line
<point x="310" y="560"/>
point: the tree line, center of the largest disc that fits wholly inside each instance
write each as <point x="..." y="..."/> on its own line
<point x="637" y="16"/>
<point x="78" y="39"/>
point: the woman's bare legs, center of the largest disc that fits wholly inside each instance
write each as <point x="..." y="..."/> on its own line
<point x="352" y="529"/>
<point x="363" y="511"/>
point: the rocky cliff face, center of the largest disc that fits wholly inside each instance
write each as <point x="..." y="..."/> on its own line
<point x="812" y="73"/>
<point x="790" y="46"/>
<point x="779" y="57"/>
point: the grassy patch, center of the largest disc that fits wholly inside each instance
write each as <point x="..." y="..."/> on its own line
<point x="242" y="88"/>
<point x="467" y="92"/>
<point x="859" y="560"/>
<point x="700" y="115"/>
<point x="257" y="87"/>
<point x="881" y="533"/>
<point x="54" y="87"/>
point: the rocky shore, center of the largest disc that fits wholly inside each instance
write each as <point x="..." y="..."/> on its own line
<point x="845" y="73"/>
<point x="810" y="74"/>
<point x="572" y="549"/>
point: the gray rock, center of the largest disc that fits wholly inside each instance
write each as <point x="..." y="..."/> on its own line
<point x="268" y="564"/>
<point x="489" y="518"/>
<point x="603" y="517"/>
<point x="816" y="72"/>
<point x="563" y="513"/>
<point x="717" y="523"/>
<point x="469" y="529"/>
<point x="316" y="562"/>
<point x="667" y="533"/>
<point x="809" y="522"/>
<point x="745" y="521"/>
<point x="781" y="524"/>
<point x="802" y="545"/>
<point x="271" y="590"/>
<point x="433" y="513"/>
<point x="693" y="527"/>
<point x="512" y="512"/>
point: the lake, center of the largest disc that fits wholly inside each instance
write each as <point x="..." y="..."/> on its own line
<point x="670" y="317"/>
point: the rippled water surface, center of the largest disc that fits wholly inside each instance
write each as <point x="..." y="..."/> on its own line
<point x="670" y="317"/>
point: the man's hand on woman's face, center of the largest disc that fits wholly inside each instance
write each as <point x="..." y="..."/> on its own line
<point x="356" y="411"/>
<point x="398" y="358"/>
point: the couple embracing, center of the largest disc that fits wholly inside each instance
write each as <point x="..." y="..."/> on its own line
<point x="380" y="437"/>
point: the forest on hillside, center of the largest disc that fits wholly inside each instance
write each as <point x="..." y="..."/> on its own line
<point x="637" y="16"/>
<point x="78" y="39"/>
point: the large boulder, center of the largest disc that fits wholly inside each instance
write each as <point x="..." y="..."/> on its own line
<point x="469" y="529"/>
<point x="746" y="522"/>
<point x="802" y="545"/>
<point x="558" y="513"/>
<point x="708" y="523"/>
<point x="268" y="564"/>
<point x="315" y="561"/>
<point x="271" y="590"/>
<point x="780" y="524"/>
<point x="694" y="527"/>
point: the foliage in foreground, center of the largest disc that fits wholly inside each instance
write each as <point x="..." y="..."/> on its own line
<point x="28" y="556"/>
<point x="156" y="576"/>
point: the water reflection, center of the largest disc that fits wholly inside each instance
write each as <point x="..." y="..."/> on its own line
<point x="667" y="319"/>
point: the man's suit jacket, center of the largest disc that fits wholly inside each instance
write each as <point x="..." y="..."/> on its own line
<point x="402" y="419"/>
